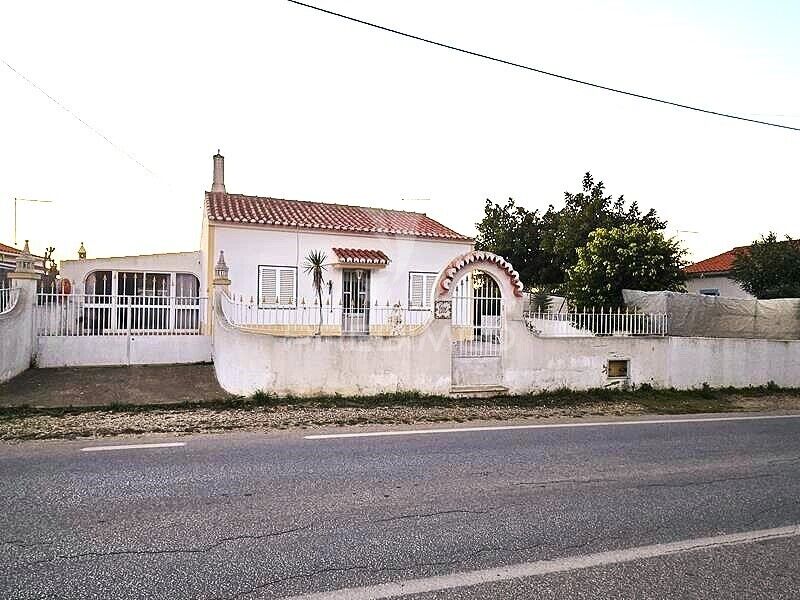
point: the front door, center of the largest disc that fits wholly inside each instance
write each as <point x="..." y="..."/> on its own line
<point x="355" y="301"/>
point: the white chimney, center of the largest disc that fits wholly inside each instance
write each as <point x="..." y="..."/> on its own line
<point x="219" y="173"/>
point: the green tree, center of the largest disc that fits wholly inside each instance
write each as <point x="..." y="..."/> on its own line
<point x="627" y="257"/>
<point x="515" y="234"/>
<point x="770" y="268"/>
<point x="542" y="247"/>
<point x="316" y="267"/>
<point x="569" y="227"/>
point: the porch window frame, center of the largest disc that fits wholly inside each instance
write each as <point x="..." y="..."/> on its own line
<point x="173" y="306"/>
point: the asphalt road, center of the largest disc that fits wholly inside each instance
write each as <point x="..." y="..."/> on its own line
<point x="271" y="516"/>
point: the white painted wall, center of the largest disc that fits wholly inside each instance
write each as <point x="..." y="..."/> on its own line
<point x="248" y="247"/>
<point x="16" y="338"/>
<point x="307" y="366"/>
<point x="85" y="351"/>
<point x="727" y="287"/>
<point x="246" y="362"/>
<point x="731" y="362"/>
<point x="532" y="363"/>
<point x="178" y="262"/>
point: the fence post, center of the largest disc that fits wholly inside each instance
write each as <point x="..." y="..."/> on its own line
<point x="26" y="278"/>
<point x="222" y="285"/>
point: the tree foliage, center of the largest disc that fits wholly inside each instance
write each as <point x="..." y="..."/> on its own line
<point x="543" y="247"/>
<point x="515" y="234"/>
<point x="770" y="268"/>
<point x="568" y="228"/>
<point x="629" y="256"/>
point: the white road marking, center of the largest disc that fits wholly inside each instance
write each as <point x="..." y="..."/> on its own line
<point x="333" y="436"/>
<point x="132" y="447"/>
<point x="546" y="567"/>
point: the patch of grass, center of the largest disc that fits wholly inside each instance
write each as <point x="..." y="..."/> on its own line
<point x="260" y="396"/>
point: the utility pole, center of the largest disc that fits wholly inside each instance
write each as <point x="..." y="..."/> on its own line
<point x="15" y="211"/>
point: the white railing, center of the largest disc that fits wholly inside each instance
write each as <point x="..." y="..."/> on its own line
<point x="596" y="323"/>
<point x="305" y="319"/>
<point x="89" y="314"/>
<point x="8" y="299"/>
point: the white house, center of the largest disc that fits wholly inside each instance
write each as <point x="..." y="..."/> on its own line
<point x="376" y="259"/>
<point x="711" y="277"/>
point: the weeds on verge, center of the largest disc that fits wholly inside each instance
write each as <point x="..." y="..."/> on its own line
<point x="666" y="401"/>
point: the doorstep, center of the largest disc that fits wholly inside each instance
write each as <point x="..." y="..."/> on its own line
<point x="478" y="391"/>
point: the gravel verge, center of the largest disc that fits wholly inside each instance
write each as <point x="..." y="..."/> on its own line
<point x="92" y="423"/>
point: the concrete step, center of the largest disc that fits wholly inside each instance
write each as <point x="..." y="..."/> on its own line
<point x="478" y="391"/>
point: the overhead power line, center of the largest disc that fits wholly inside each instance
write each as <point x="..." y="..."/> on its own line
<point x="74" y="115"/>
<point x="542" y="71"/>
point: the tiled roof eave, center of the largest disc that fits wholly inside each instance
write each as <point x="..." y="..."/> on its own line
<point x="708" y="273"/>
<point x="330" y="228"/>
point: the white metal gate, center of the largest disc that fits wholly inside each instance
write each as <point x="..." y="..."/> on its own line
<point x="477" y="317"/>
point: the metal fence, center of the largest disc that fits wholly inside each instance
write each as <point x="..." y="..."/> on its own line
<point x="8" y="299"/>
<point x="88" y="314"/>
<point x="604" y="322"/>
<point x="377" y="319"/>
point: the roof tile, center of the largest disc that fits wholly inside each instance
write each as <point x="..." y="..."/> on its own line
<point x="275" y="212"/>
<point x="722" y="263"/>
<point x="355" y="255"/>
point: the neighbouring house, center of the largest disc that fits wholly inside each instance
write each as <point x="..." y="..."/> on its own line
<point x="711" y="277"/>
<point x="8" y="257"/>
<point x="377" y="259"/>
<point x="150" y="292"/>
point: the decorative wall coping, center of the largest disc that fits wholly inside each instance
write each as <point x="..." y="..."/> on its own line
<point x="480" y="256"/>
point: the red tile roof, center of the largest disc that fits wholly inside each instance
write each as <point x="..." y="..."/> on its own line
<point x="274" y="212"/>
<point x="722" y="263"/>
<point x="354" y="255"/>
<point x="9" y="249"/>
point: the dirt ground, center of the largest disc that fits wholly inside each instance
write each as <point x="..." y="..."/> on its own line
<point x="102" y="386"/>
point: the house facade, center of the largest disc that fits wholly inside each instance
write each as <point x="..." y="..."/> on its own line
<point x="711" y="277"/>
<point x="376" y="260"/>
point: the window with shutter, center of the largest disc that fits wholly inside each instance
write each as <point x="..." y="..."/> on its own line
<point x="277" y="286"/>
<point x="420" y="289"/>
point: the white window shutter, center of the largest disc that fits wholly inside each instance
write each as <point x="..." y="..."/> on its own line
<point x="416" y="289"/>
<point x="430" y="279"/>
<point x="287" y="285"/>
<point x="267" y="285"/>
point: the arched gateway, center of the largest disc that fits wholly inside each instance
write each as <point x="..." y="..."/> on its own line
<point x="477" y="291"/>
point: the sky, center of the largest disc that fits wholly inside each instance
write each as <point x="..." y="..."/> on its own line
<point x="307" y="106"/>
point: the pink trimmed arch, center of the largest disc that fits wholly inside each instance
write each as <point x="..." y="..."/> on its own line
<point x="475" y="260"/>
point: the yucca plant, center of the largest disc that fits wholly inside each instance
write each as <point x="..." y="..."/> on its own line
<point x="541" y="300"/>
<point x="316" y="267"/>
